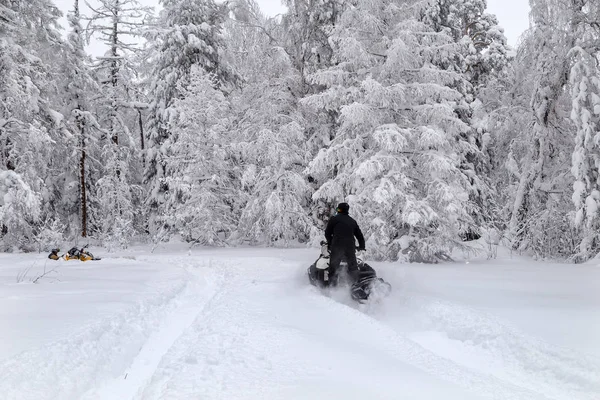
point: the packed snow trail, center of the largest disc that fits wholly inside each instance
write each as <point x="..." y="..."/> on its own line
<point x="270" y="337"/>
<point x="246" y="325"/>
<point x="189" y="305"/>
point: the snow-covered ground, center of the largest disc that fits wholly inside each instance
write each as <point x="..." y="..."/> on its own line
<point x="245" y="324"/>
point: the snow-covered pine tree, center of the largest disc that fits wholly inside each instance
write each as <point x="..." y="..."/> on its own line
<point x="199" y="170"/>
<point x="396" y="155"/>
<point x="28" y="123"/>
<point x="187" y="33"/>
<point x="118" y="23"/>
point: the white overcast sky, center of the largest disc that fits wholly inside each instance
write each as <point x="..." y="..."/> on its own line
<point x="512" y="14"/>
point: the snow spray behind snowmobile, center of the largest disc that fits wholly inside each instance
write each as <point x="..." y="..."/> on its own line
<point x="321" y="275"/>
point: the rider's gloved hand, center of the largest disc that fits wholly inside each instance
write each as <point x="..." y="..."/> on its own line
<point x="360" y="249"/>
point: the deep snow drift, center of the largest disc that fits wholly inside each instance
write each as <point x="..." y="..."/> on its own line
<point x="245" y="324"/>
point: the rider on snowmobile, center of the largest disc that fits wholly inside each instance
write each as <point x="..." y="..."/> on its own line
<point x="340" y="233"/>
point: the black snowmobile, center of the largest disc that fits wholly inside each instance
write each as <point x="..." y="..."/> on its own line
<point x="322" y="276"/>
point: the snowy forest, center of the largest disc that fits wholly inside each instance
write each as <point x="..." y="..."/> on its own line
<point x="212" y="123"/>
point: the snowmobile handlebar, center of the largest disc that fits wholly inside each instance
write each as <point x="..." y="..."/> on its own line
<point x="357" y="248"/>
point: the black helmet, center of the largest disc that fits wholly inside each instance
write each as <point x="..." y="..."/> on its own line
<point x="343" y="208"/>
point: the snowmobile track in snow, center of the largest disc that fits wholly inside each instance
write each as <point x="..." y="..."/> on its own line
<point x="502" y="350"/>
<point x="68" y="368"/>
<point x="189" y="305"/>
<point x="404" y="349"/>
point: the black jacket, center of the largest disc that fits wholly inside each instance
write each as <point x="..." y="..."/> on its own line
<point x="341" y="230"/>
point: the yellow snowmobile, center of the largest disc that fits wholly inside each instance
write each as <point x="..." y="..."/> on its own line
<point x="74" y="254"/>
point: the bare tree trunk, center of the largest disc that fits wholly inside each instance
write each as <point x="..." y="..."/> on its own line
<point x="82" y="179"/>
<point x="115" y="79"/>
<point x="142" y="145"/>
<point x="114" y="72"/>
<point x="80" y="124"/>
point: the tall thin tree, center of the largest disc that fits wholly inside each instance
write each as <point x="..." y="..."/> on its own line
<point x="79" y="85"/>
<point x="118" y="24"/>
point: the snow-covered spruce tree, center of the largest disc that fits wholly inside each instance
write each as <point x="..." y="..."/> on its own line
<point x="270" y="140"/>
<point x="396" y="155"/>
<point x="199" y="171"/>
<point x="479" y="55"/>
<point x="28" y="124"/>
<point x="484" y="51"/>
<point x="278" y="194"/>
<point x="118" y="23"/>
<point x="187" y="33"/>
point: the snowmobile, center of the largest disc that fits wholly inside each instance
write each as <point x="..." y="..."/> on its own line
<point x="366" y="283"/>
<point x="74" y="254"/>
<point x="54" y="254"/>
